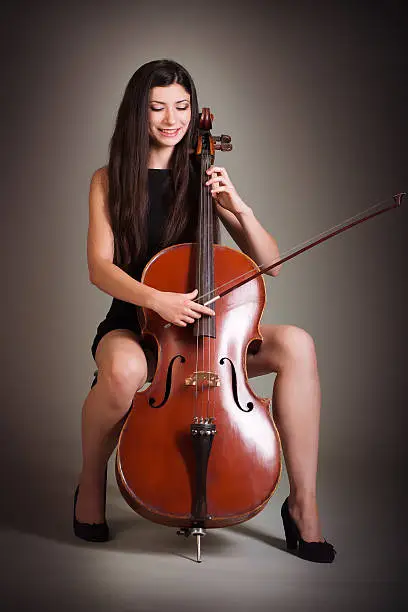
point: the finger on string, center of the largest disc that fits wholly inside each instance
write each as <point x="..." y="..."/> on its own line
<point x="219" y="169"/>
<point x="215" y="179"/>
<point x="220" y="189"/>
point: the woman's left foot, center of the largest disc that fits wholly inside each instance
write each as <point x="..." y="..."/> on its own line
<point x="306" y="517"/>
<point x="314" y="549"/>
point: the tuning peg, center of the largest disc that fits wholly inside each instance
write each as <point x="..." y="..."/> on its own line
<point x="220" y="146"/>
<point x="222" y="143"/>
<point x="224" y="138"/>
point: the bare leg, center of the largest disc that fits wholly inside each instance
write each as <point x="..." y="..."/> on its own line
<point x="122" y="369"/>
<point x="289" y="351"/>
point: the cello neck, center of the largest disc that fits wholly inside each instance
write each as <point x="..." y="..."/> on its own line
<point x="205" y="326"/>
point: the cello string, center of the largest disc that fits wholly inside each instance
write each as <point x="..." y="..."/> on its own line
<point x="207" y="270"/>
<point x="211" y="294"/>
<point x="211" y="268"/>
<point x="204" y="402"/>
<point x="214" y="322"/>
<point x="198" y="255"/>
<point x="209" y="277"/>
<point x="200" y="338"/>
<point x="204" y="280"/>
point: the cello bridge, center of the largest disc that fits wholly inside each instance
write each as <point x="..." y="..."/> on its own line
<point x="207" y="379"/>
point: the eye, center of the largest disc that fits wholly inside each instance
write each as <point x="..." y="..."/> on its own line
<point x="155" y="109"/>
<point x="182" y="108"/>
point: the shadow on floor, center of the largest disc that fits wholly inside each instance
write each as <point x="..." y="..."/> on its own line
<point x="43" y="507"/>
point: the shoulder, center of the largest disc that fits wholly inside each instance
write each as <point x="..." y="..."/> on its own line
<point x="98" y="189"/>
<point x="100" y="176"/>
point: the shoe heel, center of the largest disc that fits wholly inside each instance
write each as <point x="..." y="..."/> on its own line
<point x="95" y="532"/>
<point x="318" y="552"/>
<point x="291" y="531"/>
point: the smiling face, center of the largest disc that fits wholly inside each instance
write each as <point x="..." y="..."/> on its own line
<point x="169" y="114"/>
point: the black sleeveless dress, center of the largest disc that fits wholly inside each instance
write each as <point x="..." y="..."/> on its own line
<point x="123" y="315"/>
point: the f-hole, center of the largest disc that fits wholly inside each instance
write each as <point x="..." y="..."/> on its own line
<point x="152" y="401"/>
<point x="249" y="405"/>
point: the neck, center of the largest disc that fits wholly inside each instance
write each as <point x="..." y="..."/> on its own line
<point x="159" y="157"/>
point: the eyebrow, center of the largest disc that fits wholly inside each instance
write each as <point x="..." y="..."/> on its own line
<point x="159" y="102"/>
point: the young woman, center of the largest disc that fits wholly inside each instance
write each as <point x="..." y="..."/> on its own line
<point x="144" y="200"/>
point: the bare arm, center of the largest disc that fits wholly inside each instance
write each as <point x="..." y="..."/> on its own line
<point x="250" y="236"/>
<point x="177" y="308"/>
<point x="103" y="273"/>
<point x="240" y="221"/>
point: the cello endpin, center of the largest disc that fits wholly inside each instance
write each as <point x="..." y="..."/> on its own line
<point x="198" y="538"/>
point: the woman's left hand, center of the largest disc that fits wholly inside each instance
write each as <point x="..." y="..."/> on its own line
<point x="223" y="191"/>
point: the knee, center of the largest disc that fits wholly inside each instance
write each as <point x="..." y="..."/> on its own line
<point x="122" y="378"/>
<point x="298" y="345"/>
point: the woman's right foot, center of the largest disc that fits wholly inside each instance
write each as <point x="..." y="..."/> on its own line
<point x="89" y="521"/>
<point x="90" y="505"/>
<point x="91" y="532"/>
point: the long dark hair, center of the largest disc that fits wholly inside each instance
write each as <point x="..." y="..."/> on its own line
<point x="128" y="166"/>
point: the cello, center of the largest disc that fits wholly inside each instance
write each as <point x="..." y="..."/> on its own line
<point x="199" y="449"/>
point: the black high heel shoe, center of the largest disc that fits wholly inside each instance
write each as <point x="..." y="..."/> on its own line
<point x="91" y="532"/>
<point x="319" y="552"/>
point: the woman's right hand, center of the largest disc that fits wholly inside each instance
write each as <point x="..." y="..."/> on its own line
<point x="179" y="308"/>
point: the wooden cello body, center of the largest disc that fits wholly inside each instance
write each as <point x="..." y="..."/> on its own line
<point x="162" y="472"/>
<point x="199" y="449"/>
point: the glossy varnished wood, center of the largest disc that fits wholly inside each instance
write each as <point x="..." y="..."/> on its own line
<point x="155" y="461"/>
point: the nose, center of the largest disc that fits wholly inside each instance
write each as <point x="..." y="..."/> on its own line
<point x="170" y="120"/>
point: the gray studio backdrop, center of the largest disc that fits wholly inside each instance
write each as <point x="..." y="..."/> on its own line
<point x="314" y="96"/>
